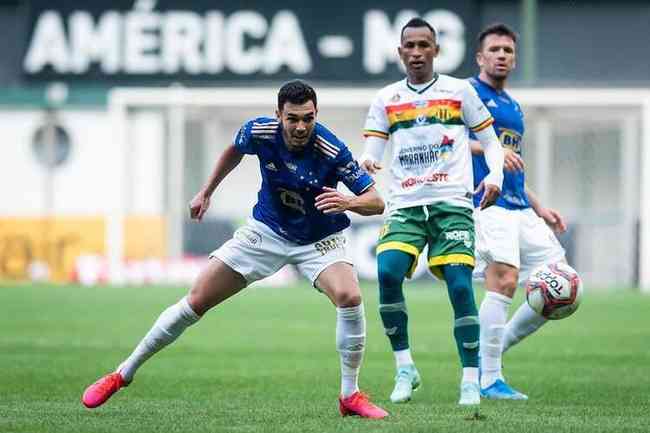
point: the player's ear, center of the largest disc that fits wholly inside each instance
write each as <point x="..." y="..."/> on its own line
<point x="436" y="51"/>
<point x="278" y="114"/>
<point x="479" y="59"/>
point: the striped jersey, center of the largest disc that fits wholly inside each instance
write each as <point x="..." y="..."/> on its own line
<point x="292" y="180"/>
<point x="509" y="127"/>
<point x="428" y="136"/>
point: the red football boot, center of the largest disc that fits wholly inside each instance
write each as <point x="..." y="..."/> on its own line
<point x="100" y="391"/>
<point x="359" y="404"/>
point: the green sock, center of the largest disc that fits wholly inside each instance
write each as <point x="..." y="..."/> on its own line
<point x="466" y="323"/>
<point x="392" y="268"/>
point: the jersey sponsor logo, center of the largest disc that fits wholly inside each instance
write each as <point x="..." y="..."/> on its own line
<point x="460" y="235"/>
<point x="427" y="180"/>
<point x="292" y="200"/>
<point x="271" y="166"/>
<point x="249" y="236"/>
<point x="330" y="244"/>
<point x="510" y="139"/>
<point x="291" y="166"/>
<point x="425" y="155"/>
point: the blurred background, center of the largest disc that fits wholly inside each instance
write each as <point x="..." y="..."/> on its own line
<point x="113" y="114"/>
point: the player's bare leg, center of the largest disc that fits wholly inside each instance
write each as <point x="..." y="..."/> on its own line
<point x="501" y="283"/>
<point x="340" y="284"/>
<point x="216" y="283"/>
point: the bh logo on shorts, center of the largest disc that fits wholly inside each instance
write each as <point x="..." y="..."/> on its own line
<point x="460" y="235"/>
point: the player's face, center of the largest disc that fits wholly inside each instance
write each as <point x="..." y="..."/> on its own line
<point x="497" y="56"/>
<point x="298" y="121"/>
<point x="417" y="50"/>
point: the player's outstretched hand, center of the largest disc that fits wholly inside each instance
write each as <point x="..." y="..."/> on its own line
<point x="331" y="201"/>
<point x="370" y="166"/>
<point x="553" y="219"/>
<point x="512" y="161"/>
<point x="199" y="205"/>
<point x="490" y="196"/>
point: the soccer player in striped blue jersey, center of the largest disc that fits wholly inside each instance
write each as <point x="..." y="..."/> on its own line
<point x="515" y="235"/>
<point x="298" y="219"/>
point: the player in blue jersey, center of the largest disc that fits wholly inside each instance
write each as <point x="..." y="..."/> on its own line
<point x="298" y="219"/>
<point x="515" y="235"/>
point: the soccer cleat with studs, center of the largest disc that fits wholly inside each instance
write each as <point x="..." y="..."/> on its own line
<point x="360" y="405"/>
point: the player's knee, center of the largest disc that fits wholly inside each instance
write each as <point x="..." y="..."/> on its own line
<point x="506" y="283"/>
<point x="459" y="284"/>
<point x="389" y="279"/>
<point x="458" y="277"/>
<point x="347" y="298"/>
<point x="392" y="267"/>
<point x="198" y="302"/>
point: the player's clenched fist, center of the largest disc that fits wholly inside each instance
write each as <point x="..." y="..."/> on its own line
<point x="199" y="205"/>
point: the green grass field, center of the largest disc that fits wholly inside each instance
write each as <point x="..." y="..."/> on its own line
<point x="265" y="361"/>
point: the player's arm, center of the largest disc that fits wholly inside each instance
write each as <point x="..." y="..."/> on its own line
<point x="376" y="134"/>
<point x="511" y="161"/>
<point x="552" y="217"/>
<point x="366" y="199"/>
<point x="227" y="161"/>
<point x="479" y="121"/>
<point x="373" y="153"/>
<point x="369" y="202"/>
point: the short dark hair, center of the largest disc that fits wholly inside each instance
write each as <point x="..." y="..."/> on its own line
<point x="499" y="29"/>
<point x="418" y="22"/>
<point x="296" y="92"/>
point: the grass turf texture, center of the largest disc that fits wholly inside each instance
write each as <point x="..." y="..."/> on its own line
<point x="266" y="361"/>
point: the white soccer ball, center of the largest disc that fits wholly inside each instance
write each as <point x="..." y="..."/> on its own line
<point x="554" y="290"/>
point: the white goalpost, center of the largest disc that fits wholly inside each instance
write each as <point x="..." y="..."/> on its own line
<point x="555" y="115"/>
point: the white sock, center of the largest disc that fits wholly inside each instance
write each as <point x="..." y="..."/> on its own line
<point x="524" y="322"/>
<point x="470" y="374"/>
<point x="492" y="315"/>
<point x="403" y="358"/>
<point x="169" y="326"/>
<point x="350" y="343"/>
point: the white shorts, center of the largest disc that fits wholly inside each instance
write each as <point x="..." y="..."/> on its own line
<point x="255" y="251"/>
<point x="515" y="237"/>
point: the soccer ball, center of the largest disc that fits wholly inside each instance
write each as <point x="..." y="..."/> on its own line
<point x="554" y="291"/>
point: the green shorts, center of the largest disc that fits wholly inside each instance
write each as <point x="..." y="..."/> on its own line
<point x="447" y="230"/>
